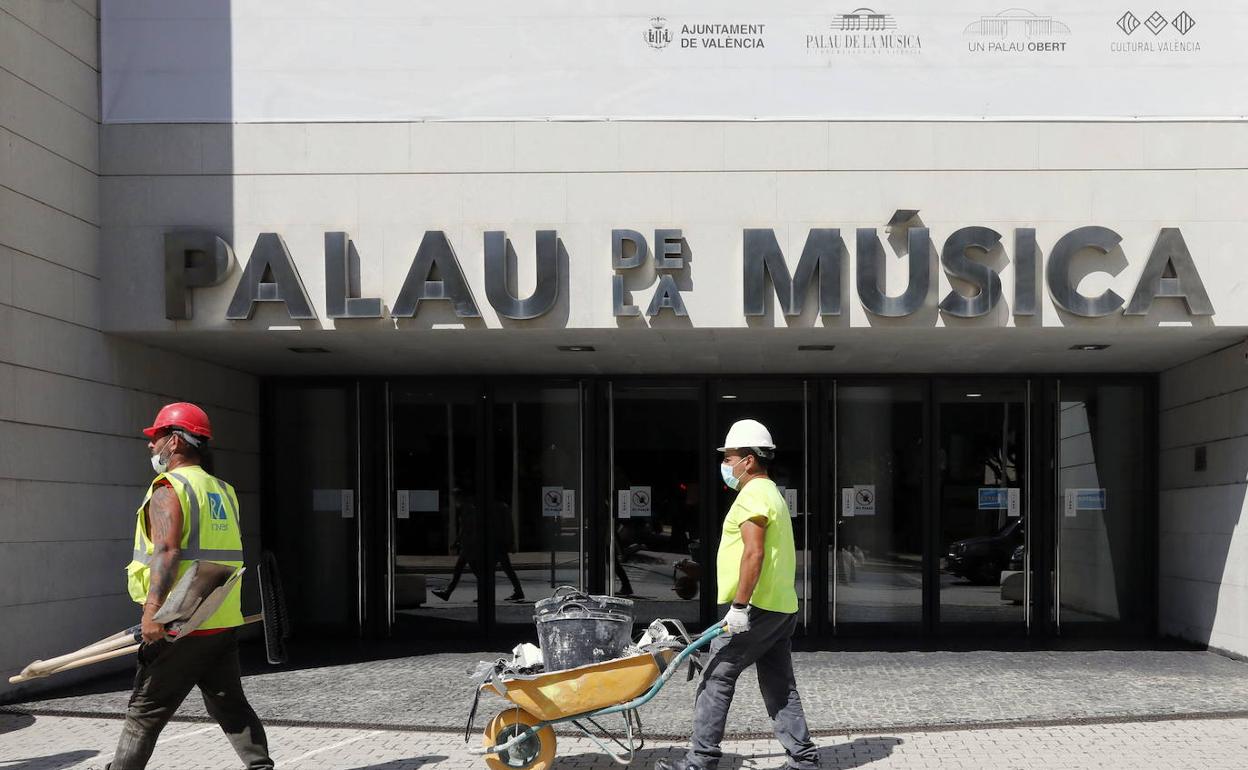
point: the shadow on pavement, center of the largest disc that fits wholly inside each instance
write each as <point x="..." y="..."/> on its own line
<point x="840" y="756"/>
<point x="856" y="753"/>
<point x="50" y="762"/>
<point x="403" y="764"/>
<point x="11" y="722"/>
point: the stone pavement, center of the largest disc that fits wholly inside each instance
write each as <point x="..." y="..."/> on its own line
<point x="907" y="709"/>
<point x="847" y="691"/>
<point x="73" y="743"/>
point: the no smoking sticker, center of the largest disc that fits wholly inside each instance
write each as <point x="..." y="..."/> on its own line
<point x="639" y="501"/>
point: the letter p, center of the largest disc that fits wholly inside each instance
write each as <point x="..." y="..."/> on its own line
<point x="193" y="259"/>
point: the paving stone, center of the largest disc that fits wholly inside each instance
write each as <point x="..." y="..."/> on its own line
<point x="840" y="690"/>
<point x="75" y="743"/>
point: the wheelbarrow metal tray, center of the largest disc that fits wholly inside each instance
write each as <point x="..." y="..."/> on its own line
<point x="563" y="694"/>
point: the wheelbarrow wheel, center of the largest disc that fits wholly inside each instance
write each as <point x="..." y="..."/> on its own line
<point x="536" y="752"/>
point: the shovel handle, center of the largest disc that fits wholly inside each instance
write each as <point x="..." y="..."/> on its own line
<point x="87" y="661"/>
<point x="44" y="667"/>
<point x="115" y="646"/>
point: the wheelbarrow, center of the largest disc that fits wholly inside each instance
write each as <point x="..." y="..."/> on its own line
<point x="523" y="737"/>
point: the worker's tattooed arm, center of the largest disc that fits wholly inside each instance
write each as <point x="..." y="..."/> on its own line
<point x="164" y="519"/>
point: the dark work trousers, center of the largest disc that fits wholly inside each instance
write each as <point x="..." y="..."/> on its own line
<point x="768" y="646"/>
<point x="167" y="672"/>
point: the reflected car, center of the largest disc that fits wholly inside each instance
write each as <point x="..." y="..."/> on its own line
<point x="981" y="559"/>
<point x="1016" y="558"/>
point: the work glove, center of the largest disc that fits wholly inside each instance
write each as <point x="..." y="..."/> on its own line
<point x="737" y="621"/>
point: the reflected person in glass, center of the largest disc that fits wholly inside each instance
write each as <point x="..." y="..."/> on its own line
<point x="470" y="545"/>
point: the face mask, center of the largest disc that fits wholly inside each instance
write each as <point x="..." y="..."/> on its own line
<point x="160" y="462"/>
<point x="730" y="479"/>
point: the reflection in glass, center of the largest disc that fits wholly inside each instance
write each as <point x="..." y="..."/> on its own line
<point x="535" y="520"/>
<point x="315" y="428"/>
<point x="1102" y="503"/>
<point x="981" y="501"/>
<point x="438" y="529"/>
<point x="875" y="554"/>
<point x="659" y="554"/>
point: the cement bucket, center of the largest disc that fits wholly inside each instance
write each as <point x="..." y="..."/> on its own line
<point x="576" y="629"/>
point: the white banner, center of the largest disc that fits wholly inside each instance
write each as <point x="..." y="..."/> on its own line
<point x="401" y="60"/>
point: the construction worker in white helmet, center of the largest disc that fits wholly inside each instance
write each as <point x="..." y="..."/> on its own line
<point x="756" y="574"/>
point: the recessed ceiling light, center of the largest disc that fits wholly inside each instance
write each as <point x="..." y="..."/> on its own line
<point x="816" y="347"/>
<point x="974" y="395"/>
<point x="307" y="350"/>
<point x="728" y="396"/>
<point x="1088" y="347"/>
<point x="577" y="348"/>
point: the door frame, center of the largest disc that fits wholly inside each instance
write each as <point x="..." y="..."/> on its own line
<point x="1148" y="549"/>
<point x="932" y="622"/>
<point x="808" y="624"/>
<point x="598" y="540"/>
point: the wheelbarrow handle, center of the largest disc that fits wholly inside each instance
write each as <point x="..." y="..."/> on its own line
<point x="719" y="629"/>
<point x="707" y="636"/>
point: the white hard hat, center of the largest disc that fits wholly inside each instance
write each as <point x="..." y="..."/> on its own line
<point x="746" y="434"/>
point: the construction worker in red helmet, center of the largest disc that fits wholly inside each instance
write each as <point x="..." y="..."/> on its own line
<point x="187" y="514"/>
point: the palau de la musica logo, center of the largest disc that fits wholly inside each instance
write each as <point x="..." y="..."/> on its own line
<point x="1016" y="31"/>
<point x="864" y="32"/>
<point x="1155" y="32"/>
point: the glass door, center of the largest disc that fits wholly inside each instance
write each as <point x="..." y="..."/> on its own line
<point x="656" y="470"/>
<point x="782" y="408"/>
<point x="439" y="517"/>
<point x="981" y="503"/>
<point x="315" y="533"/>
<point x="1104" y="511"/>
<point x="535" y="511"/>
<point x="875" y="541"/>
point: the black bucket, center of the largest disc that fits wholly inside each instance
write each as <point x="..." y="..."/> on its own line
<point x="575" y="629"/>
<point x="570" y="595"/>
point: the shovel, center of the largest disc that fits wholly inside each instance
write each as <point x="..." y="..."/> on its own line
<point x="200" y="591"/>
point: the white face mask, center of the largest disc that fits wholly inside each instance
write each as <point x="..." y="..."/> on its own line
<point x="730" y="478"/>
<point x="160" y="462"/>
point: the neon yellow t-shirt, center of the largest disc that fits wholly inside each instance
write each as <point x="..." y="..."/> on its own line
<point x="760" y="498"/>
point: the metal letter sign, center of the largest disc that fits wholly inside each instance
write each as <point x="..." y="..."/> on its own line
<point x="667" y="295"/>
<point x="621" y="261"/>
<point x="959" y="264"/>
<point x="1066" y="296"/>
<point x="342" y="281"/>
<point x="270" y="276"/>
<point x="620" y="306"/>
<point x="1180" y="280"/>
<point x="669" y="250"/>
<point x="1025" y="271"/>
<point x="193" y="259"/>
<point x="500" y="287"/>
<point x="197" y="258"/>
<point x="821" y="257"/>
<point x="435" y="252"/>
<point x="871" y="273"/>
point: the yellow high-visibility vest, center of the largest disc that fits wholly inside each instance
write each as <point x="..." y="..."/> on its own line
<point x="210" y="532"/>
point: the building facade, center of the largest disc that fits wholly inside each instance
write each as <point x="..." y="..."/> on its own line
<point x="479" y="349"/>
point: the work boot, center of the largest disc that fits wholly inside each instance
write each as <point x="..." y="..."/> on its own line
<point x="442" y="593"/>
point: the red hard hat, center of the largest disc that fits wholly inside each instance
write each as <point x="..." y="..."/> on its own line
<point x="188" y="417"/>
